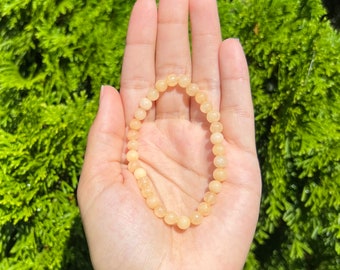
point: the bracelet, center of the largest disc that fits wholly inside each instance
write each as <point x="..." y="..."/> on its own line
<point x="144" y="182"/>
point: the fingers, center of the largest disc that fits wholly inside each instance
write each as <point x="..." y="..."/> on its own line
<point x="236" y="103"/>
<point x="104" y="146"/>
<point x="138" y="73"/>
<point x="105" y="140"/>
<point x="206" y="40"/>
<point x="173" y="55"/>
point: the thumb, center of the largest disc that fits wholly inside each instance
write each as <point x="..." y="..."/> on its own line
<point x="104" y="146"/>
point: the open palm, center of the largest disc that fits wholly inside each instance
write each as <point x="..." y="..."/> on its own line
<point x="122" y="232"/>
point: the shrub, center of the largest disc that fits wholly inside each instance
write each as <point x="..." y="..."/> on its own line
<point x="56" y="54"/>
<point x="293" y="59"/>
<point x="54" y="57"/>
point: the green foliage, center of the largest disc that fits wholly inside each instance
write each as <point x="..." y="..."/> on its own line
<point x="56" y="54"/>
<point x="293" y="57"/>
<point x="54" y="57"/>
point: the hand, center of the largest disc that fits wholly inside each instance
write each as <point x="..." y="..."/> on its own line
<point x="122" y="232"/>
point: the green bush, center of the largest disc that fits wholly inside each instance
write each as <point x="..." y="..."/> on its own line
<point x="54" y="55"/>
<point x="295" y="78"/>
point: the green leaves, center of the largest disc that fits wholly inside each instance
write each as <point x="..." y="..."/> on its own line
<point x="55" y="55"/>
<point x="295" y="79"/>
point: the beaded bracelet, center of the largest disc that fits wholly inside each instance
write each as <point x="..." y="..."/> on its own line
<point x="144" y="182"/>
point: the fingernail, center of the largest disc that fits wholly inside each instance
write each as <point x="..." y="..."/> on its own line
<point x="101" y="93"/>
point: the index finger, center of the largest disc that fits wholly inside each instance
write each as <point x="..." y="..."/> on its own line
<point x="138" y="73"/>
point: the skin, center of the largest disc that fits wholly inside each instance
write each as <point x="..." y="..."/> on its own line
<point x="122" y="232"/>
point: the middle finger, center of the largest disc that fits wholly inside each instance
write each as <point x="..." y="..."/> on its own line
<point x="206" y="40"/>
<point x="173" y="55"/>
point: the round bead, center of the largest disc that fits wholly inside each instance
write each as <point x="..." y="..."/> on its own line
<point x="204" y="209"/>
<point x="132" y="134"/>
<point x="132" y="155"/>
<point x="220" y="161"/>
<point x="216" y="127"/>
<point x="183" y="222"/>
<point x="152" y="201"/>
<point x="140" y="114"/>
<point x="139" y="173"/>
<point x="220" y="174"/>
<point x="196" y="218"/>
<point x="216" y="137"/>
<point x="172" y="80"/>
<point x="201" y="97"/>
<point x="183" y="81"/>
<point x="143" y="182"/>
<point x="153" y="94"/>
<point x="147" y="191"/>
<point x="145" y="104"/>
<point x="215" y="186"/>
<point x="133" y="165"/>
<point x="161" y="85"/>
<point x="132" y="145"/>
<point x="192" y="89"/>
<point x="170" y="218"/>
<point x="210" y="197"/>
<point x="206" y="107"/>
<point x="135" y="124"/>
<point x="160" y="211"/>
<point x="218" y="149"/>
<point x="213" y="116"/>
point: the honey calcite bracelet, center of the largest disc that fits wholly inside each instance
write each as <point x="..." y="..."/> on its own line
<point x="145" y="184"/>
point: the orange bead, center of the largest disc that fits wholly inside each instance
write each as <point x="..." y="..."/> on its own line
<point x="145" y="104"/>
<point x="206" y="107"/>
<point x="132" y="145"/>
<point x="147" y="191"/>
<point x="204" y="209"/>
<point x="143" y="182"/>
<point x="161" y="85"/>
<point x="183" y="81"/>
<point x="210" y="197"/>
<point x="160" y="211"/>
<point x="216" y="127"/>
<point x="140" y="114"/>
<point x="216" y="138"/>
<point x="220" y="161"/>
<point x="218" y="149"/>
<point x="133" y="165"/>
<point x="132" y="155"/>
<point x="152" y="201"/>
<point x="139" y="173"/>
<point x="172" y="80"/>
<point x="170" y="218"/>
<point x="196" y="218"/>
<point x="213" y="116"/>
<point x="153" y="94"/>
<point x="201" y="97"/>
<point x="220" y="174"/>
<point x="132" y="134"/>
<point x="183" y="222"/>
<point x="135" y="124"/>
<point x="192" y="89"/>
<point x="215" y="186"/>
